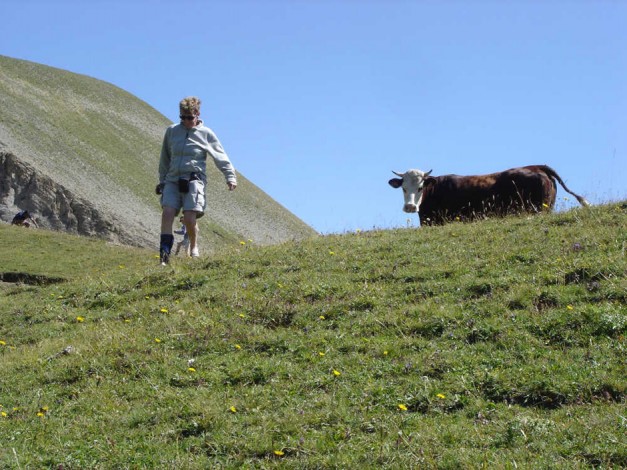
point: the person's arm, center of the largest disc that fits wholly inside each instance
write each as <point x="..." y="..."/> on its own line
<point x="164" y="159"/>
<point x="221" y="160"/>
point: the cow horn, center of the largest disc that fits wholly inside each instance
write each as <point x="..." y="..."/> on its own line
<point x="397" y="174"/>
<point x="427" y="173"/>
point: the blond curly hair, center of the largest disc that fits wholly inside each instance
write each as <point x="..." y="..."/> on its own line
<point x="191" y="104"/>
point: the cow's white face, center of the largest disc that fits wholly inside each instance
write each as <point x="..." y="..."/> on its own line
<point x="412" y="182"/>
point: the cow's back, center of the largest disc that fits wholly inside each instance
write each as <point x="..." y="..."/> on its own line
<point x="525" y="189"/>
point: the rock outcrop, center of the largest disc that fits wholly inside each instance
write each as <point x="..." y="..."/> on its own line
<point x="53" y="206"/>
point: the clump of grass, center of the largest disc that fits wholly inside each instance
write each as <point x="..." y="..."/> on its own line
<point x="497" y="344"/>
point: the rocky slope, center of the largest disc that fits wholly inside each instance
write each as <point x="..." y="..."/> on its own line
<point x="81" y="155"/>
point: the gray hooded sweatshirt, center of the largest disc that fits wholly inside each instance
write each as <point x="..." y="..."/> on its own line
<point x="185" y="151"/>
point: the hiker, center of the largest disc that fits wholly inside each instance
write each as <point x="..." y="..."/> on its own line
<point x="183" y="177"/>
<point x="23" y="219"/>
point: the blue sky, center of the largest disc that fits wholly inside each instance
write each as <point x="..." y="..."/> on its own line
<point x="316" y="102"/>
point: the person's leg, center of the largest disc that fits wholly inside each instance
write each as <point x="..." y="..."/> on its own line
<point x="193" y="208"/>
<point x="167" y="238"/>
<point x="167" y="220"/>
<point x="171" y="201"/>
<point x="189" y="219"/>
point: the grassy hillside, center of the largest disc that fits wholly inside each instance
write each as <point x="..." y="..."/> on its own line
<point x="498" y="344"/>
<point x="103" y="144"/>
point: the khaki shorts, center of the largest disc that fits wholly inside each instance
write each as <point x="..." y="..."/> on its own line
<point x="194" y="200"/>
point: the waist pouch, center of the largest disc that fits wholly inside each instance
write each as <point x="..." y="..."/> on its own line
<point x="184" y="184"/>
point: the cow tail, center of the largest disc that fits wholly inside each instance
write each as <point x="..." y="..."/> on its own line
<point x="553" y="174"/>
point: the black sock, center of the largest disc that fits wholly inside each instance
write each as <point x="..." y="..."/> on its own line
<point x="167" y="240"/>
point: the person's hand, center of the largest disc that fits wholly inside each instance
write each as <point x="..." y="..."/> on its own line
<point x="159" y="188"/>
<point x="231" y="185"/>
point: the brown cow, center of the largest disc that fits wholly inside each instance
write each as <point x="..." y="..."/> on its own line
<point x="440" y="199"/>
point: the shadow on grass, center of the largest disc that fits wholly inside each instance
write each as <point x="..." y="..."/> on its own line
<point x="30" y="279"/>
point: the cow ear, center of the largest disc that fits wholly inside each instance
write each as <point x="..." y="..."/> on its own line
<point x="396" y="182"/>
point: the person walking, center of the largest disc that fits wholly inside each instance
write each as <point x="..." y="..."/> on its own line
<point x="183" y="177"/>
<point x="24" y="219"/>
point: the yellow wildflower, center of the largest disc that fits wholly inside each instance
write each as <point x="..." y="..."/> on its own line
<point x="4" y="414"/>
<point x="233" y="409"/>
<point x="321" y="354"/>
<point x="569" y="307"/>
<point x="2" y="343"/>
<point x="279" y="453"/>
<point x="441" y="396"/>
<point x="80" y="319"/>
<point x="237" y="346"/>
<point x="321" y="317"/>
<point x="337" y="373"/>
<point x="402" y="407"/>
<point x="191" y="369"/>
<point x="157" y="340"/>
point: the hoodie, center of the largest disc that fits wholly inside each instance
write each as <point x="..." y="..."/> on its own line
<point x="185" y="151"/>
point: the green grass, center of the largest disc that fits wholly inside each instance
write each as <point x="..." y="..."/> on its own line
<point x="498" y="344"/>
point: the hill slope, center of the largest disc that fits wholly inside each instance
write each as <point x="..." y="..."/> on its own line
<point x="498" y="344"/>
<point x="82" y="155"/>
